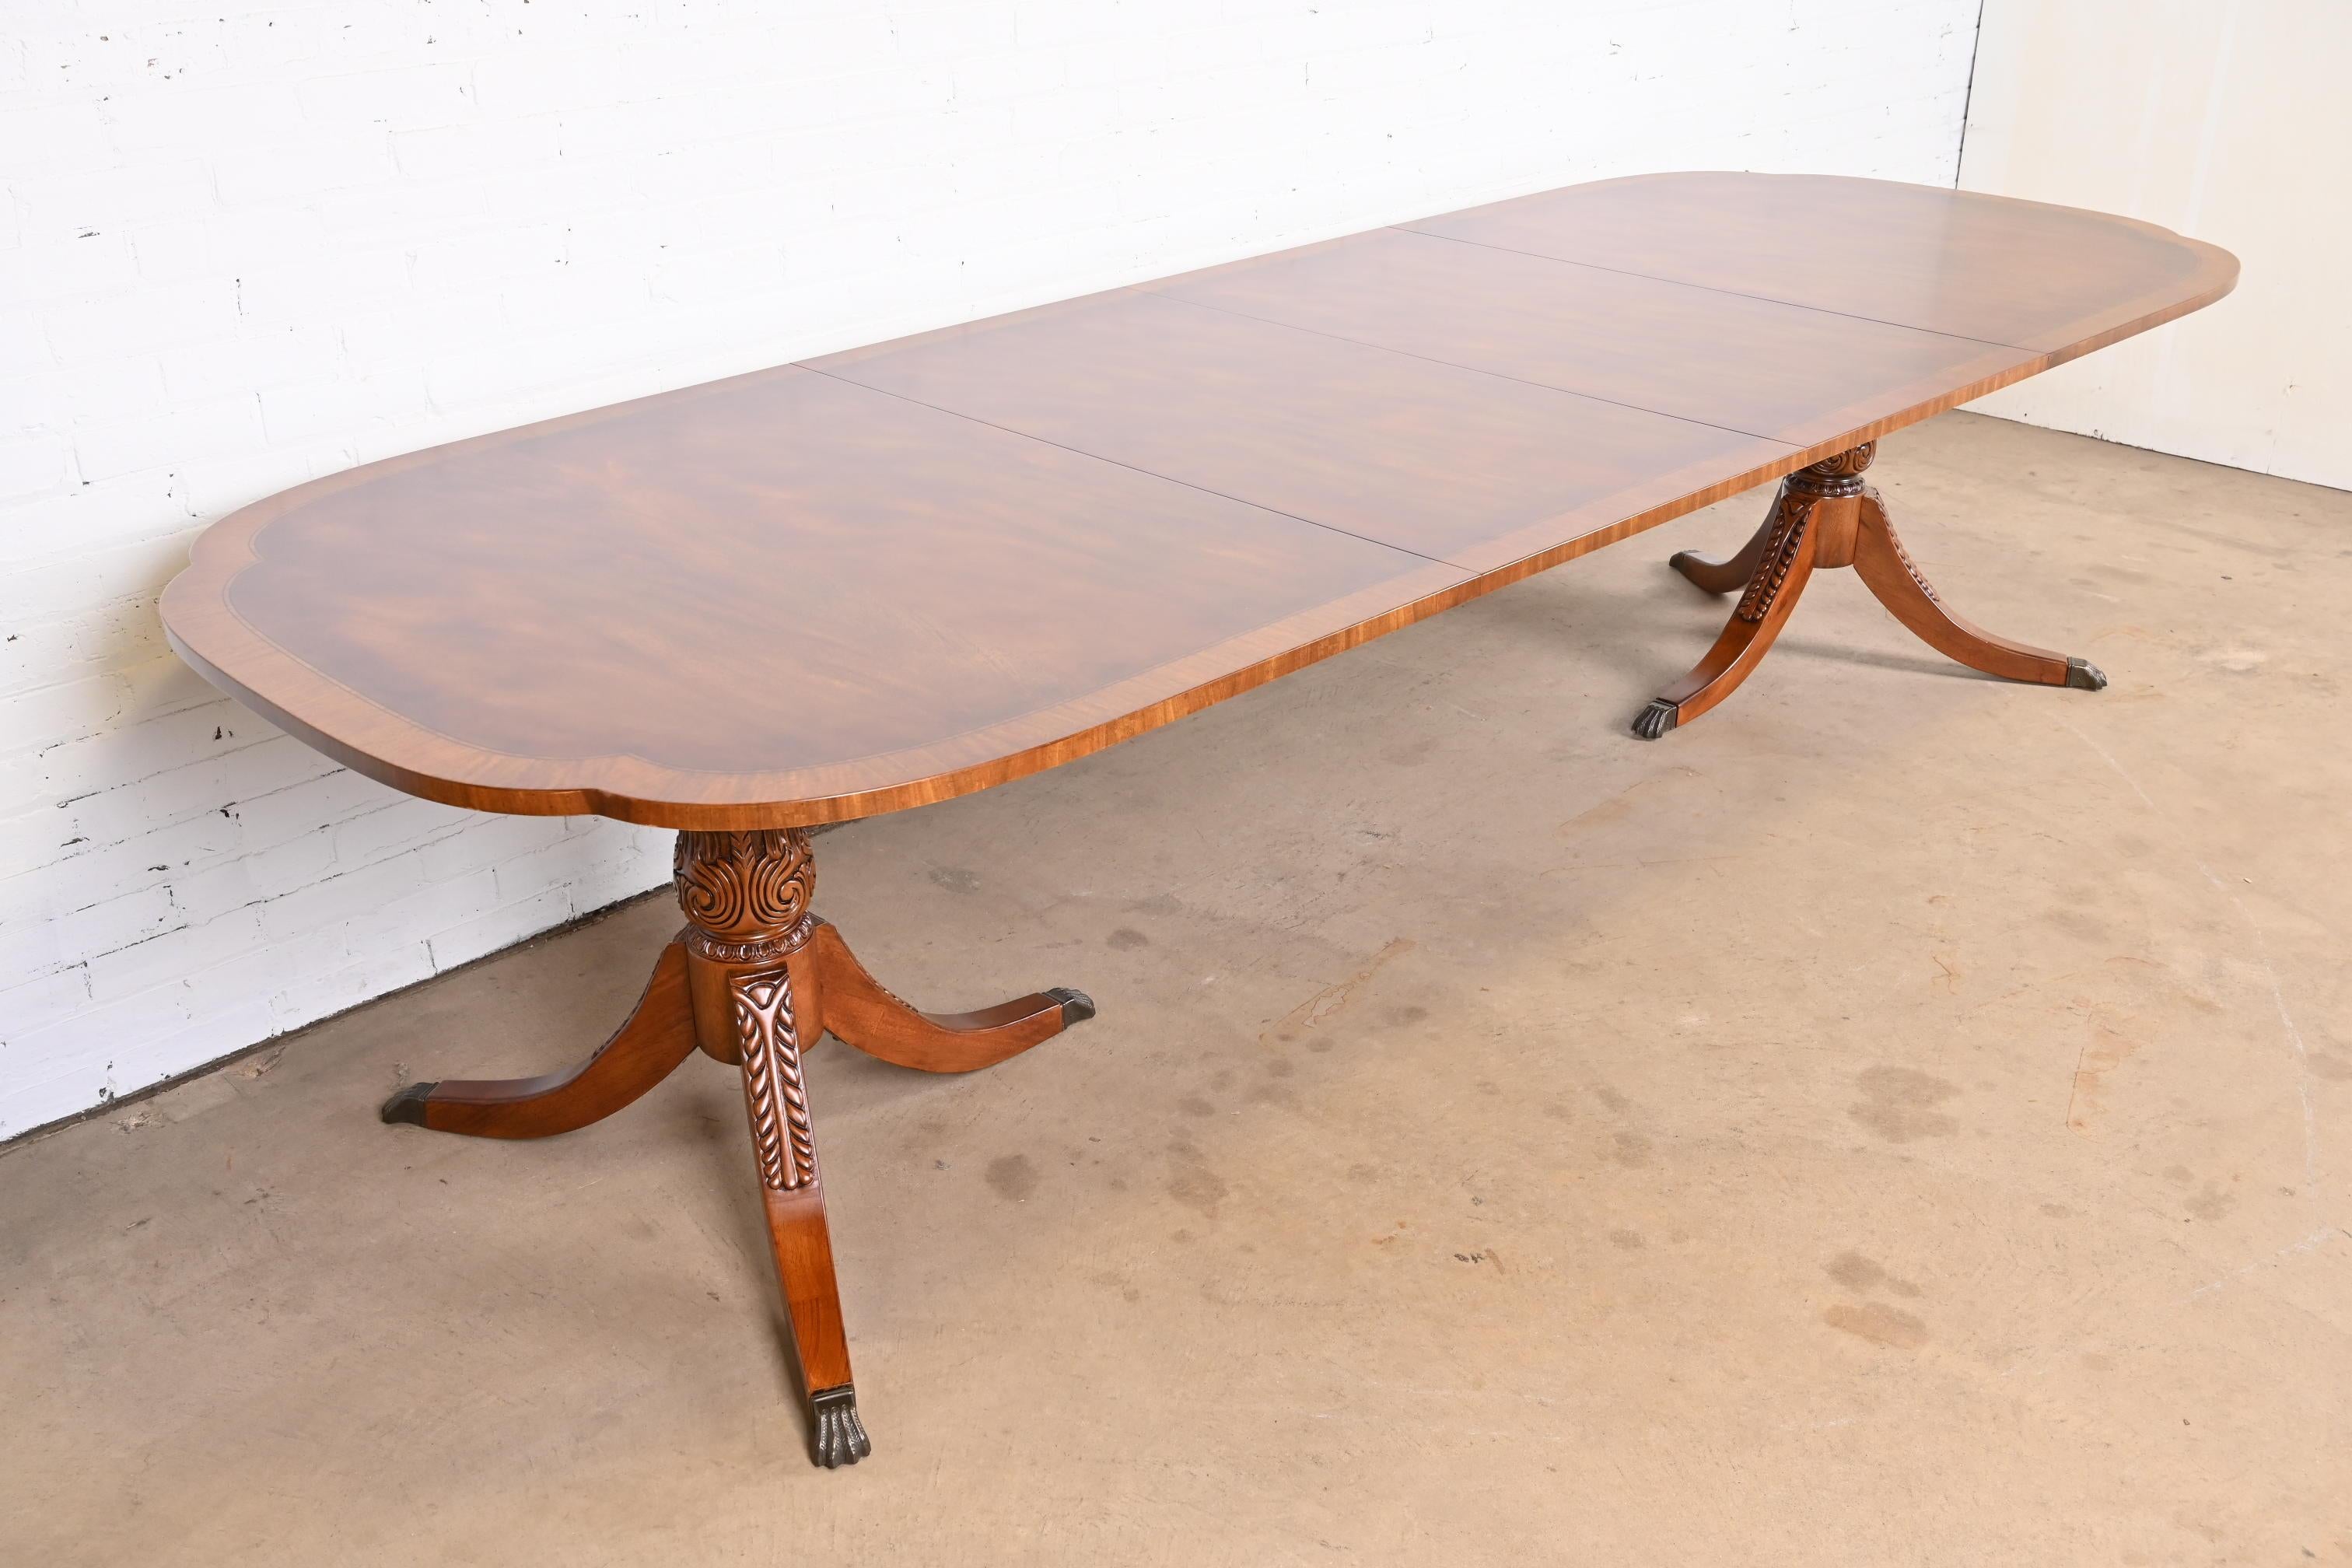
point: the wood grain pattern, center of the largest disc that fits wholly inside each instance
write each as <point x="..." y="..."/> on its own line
<point x="2049" y="278"/>
<point x="601" y="600"/>
<point x="1452" y="464"/>
<point x="951" y="561"/>
<point x="1793" y="375"/>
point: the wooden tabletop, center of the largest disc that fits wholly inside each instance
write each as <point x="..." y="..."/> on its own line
<point x="918" y="569"/>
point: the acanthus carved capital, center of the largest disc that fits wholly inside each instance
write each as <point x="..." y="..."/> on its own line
<point x="1836" y="476"/>
<point x="746" y="895"/>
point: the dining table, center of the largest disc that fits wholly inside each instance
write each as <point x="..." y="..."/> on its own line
<point x="887" y="577"/>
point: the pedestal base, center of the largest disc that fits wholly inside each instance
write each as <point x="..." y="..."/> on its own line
<point x="754" y="980"/>
<point x="1824" y="516"/>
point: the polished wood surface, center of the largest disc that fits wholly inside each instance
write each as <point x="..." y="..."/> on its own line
<point x="776" y="587"/>
<point x="2026" y="274"/>
<point x="1450" y="463"/>
<point x="1881" y="561"/>
<point x="646" y="1050"/>
<point x="863" y="1013"/>
<point x="1746" y="365"/>
<point x="905" y="573"/>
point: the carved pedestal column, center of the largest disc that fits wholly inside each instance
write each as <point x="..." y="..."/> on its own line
<point x="753" y="978"/>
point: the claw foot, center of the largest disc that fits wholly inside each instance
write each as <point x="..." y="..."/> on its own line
<point x="2084" y="676"/>
<point x="840" y="1436"/>
<point x="1076" y="1005"/>
<point x="1655" y="719"/>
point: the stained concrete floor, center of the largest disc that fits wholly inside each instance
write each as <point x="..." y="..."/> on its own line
<point x="1901" y="1119"/>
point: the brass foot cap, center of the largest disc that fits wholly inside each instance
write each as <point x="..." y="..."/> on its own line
<point x="1655" y="719"/>
<point x="408" y="1105"/>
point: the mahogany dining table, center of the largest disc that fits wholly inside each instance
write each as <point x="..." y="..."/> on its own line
<point x="905" y="573"/>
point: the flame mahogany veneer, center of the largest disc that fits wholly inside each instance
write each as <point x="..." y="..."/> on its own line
<point x="908" y="571"/>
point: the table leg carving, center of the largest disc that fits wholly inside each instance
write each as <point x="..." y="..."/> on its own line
<point x="792" y="1194"/>
<point x="1825" y="516"/>
<point x="657" y="1036"/>
<point x="1774" y="584"/>
<point x="758" y="1001"/>
<point x="754" y="980"/>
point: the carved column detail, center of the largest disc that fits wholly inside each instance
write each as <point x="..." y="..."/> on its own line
<point x="1798" y="507"/>
<point x="746" y="894"/>
<point x="746" y="897"/>
<point x="1838" y="476"/>
<point x="773" y="1087"/>
<point x="1877" y="511"/>
<point x="1791" y="513"/>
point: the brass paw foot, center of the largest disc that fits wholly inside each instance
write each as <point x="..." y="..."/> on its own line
<point x="840" y="1438"/>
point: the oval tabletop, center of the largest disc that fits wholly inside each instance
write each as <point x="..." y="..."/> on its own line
<point x="902" y="573"/>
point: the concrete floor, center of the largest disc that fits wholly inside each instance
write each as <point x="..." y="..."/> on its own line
<point x="1900" y="1119"/>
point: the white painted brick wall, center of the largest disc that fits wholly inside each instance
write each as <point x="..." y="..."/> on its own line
<point x="243" y="247"/>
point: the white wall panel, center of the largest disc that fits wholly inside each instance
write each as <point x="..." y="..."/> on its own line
<point x="2226" y="122"/>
